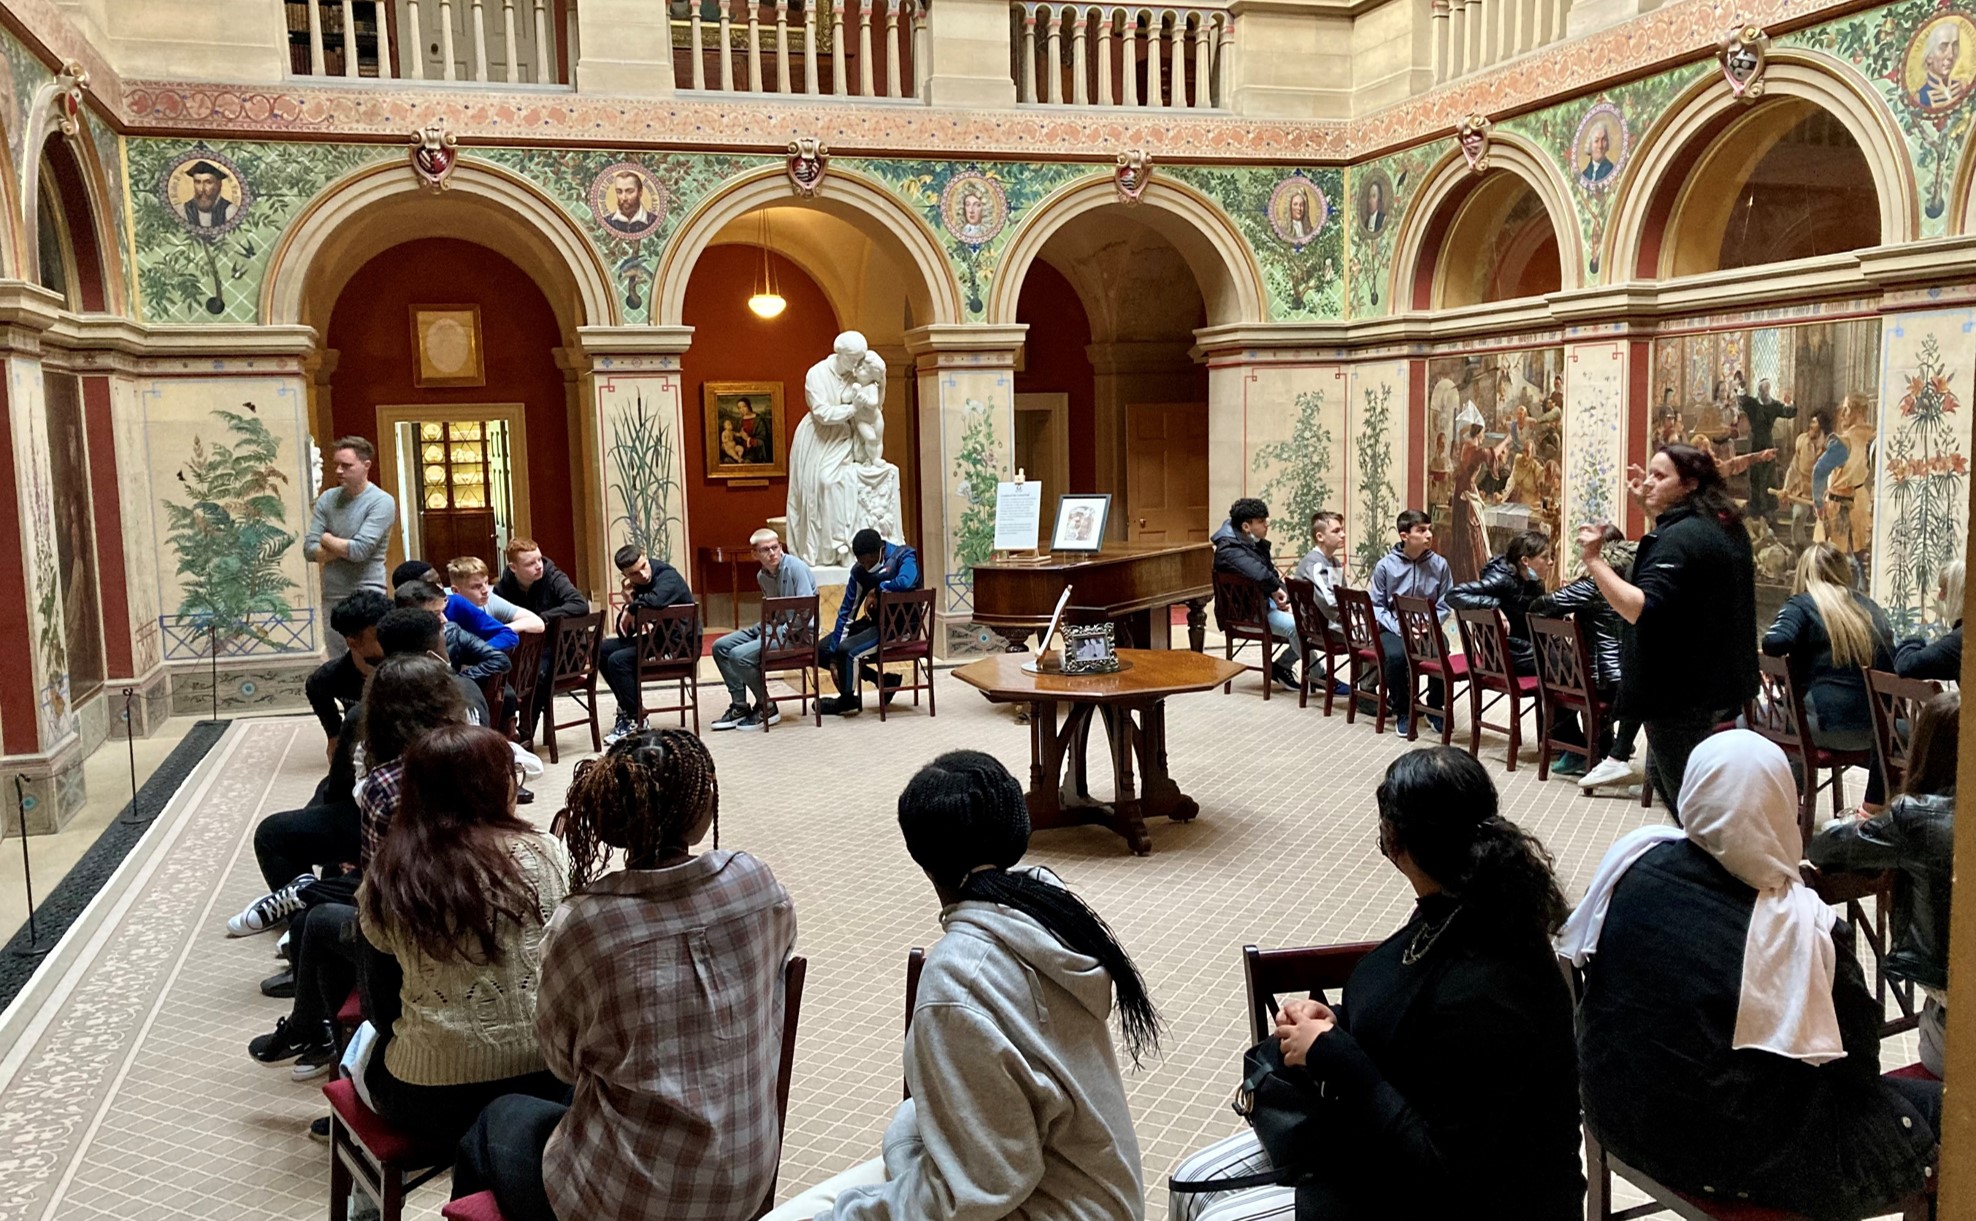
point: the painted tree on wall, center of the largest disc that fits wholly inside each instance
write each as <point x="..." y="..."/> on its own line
<point x="1925" y="474"/>
<point x="228" y="533"/>
<point x="977" y="469"/>
<point x="1301" y="483"/>
<point x="641" y="457"/>
<point x="1375" y="469"/>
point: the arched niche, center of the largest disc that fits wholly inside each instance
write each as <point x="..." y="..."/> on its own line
<point x="1222" y="264"/>
<point x="1506" y="233"/>
<point x="1678" y="187"/>
<point x="68" y="246"/>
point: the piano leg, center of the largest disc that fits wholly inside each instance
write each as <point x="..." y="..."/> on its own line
<point x="1016" y="639"/>
<point x="1197" y="624"/>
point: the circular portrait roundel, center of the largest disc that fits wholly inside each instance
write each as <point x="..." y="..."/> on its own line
<point x="1599" y="148"/>
<point x="1939" y="66"/>
<point x="974" y="208"/>
<point x="1373" y="203"/>
<point x="1297" y="211"/>
<point x="206" y="194"/>
<point x="628" y="201"/>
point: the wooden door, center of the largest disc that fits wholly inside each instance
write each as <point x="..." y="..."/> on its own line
<point x="1166" y="473"/>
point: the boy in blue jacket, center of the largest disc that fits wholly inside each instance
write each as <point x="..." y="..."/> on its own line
<point x="892" y="567"/>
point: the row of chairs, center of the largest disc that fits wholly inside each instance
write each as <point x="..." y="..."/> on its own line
<point x="669" y="641"/>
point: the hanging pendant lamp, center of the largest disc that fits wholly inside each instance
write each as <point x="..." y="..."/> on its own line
<point x="766" y="302"/>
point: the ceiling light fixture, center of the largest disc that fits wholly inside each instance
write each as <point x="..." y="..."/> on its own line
<point x="767" y="302"/>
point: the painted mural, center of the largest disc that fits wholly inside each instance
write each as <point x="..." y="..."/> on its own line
<point x="1297" y="476"/>
<point x="1923" y="492"/>
<point x="1376" y="420"/>
<point x="75" y="552"/>
<point x="1381" y="197"/>
<point x="1790" y="413"/>
<point x="1595" y="439"/>
<point x="1495" y="456"/>
<point x="639" y="422"/>
<point x="36" y="505"/>
<point x="1294" y="219"/>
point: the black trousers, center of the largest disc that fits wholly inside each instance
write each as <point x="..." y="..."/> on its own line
<point x="1399" y="681"/>
<point x="442" y="1114"/>
<point x="293" y="842"/>
<point x="617" y="661"/>
<point x="325" y="962"/>
<point x="502" y="1153"/>
<point x="1671" y="738"/>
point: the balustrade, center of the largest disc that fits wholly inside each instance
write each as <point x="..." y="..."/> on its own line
<point x="1470" y="35"/>
<point x="484" y="41"/>
<point x="1121" y="55"/>
<point x="853" y="48"/>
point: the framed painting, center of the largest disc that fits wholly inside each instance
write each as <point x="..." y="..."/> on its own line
<point x="745" y="438"/>
<point x="446" y="347"/>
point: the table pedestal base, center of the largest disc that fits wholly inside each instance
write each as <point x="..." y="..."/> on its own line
<point x="1059" y="771"/>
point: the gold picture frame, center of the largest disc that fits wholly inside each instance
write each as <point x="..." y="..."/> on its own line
<point x="446" y="346"/>
<point x="743" y="440"/>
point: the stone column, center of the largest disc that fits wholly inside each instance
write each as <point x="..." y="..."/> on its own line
<point x="635" y="439"/>
<point x="966" y="428"/>
<point x="623" y="47"/>
<point x="969" y="57"/>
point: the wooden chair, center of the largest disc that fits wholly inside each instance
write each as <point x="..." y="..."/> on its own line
<point x="525" y="676"/>
<point x="392" y="1164"/>
<point x="1851" y="890"/>
<point x="1564" y="670"/>
<point x="573" y="644"/>
<point x="1315" y="641"/>
<point x="789" y="639"/>
<point x="1895" y="702"/>
<point x="915" y="963"/>
<point x="668" y="640"/>
<point x="1362" y="638"/>
<point x="905" y="623"/>
<point x="482" y="1206"/>
<point x="1485" y="642"/>
<point x="1778" y="713"/>
<point x="1310" y="969"/>
<point x="1427" y="660"/>
<point x="1241" y="614"/>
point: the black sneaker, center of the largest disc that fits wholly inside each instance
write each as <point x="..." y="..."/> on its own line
<point x="524" y="796"/>
<point x="1284" y="675"/>
<point x="281" y="987"/>
<point x="317" y="1061"/>
<point x="319" y="1129"/>
<point x="892" y="682"/>
<point x="286" y="1043"/>
<point x="732" y="718"/>
<point x="844" y="705"/>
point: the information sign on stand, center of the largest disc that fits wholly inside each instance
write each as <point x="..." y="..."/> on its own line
<point x="1018" y="515"/>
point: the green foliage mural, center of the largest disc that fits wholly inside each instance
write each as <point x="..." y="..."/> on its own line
<point x="1303" y="280"/>
<point x="1926" y="476"/>
<point x="227" y="534"/>
<point x="49" y="637"/>
<point x="641" y="454"/>
<point x="1378" y="502"/>
<point x="977" y="469"/>
<point x="1300" y="484"/>
<point x="1398" y="177"/>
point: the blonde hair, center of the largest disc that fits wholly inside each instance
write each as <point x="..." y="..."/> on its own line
<point x="1825" y="574"/>
<point x="763" y="535"/>
<point x="465" y="568"/>
<point x="1949" y="581"/>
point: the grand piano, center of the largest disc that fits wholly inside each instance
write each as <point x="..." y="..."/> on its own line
<point x="1131" y="585"/>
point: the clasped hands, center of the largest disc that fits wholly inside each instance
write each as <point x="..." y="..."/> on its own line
<point x="1299" y="1024"/>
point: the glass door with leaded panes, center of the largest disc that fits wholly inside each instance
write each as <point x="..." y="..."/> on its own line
<point x="456" y="483"/>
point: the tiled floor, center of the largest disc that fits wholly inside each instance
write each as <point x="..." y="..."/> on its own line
<point x="137" y="1100"/>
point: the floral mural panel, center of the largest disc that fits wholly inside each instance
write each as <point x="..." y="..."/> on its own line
<point x="1594" y="442"/>
<point x="974" y="415"/>
<point x="21" y="73"/>
<point x="75" y="533"/>
<point x="228" y="461"/>
<point x="1920" y="506"/>
<point x="28" y="412"/>
<point x="641" y="426"/>
<point x="140" y="557"/>
<point x="1790" y="414"/>
<point x="1293" y="446"/>
<point x="1374" y="461"/>
<point x="1495" y="451"/>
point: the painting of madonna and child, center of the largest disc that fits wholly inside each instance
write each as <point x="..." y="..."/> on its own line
<point x="1495" y="466"/>
<point x="1789" y="413"/>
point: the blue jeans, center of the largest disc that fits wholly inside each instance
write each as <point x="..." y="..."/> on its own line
<point x="737" y="656"/>
<point x="1283" y="626"/>
<point x="841" y="658"/>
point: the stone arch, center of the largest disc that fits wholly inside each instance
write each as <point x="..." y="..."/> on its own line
<point x="102" y="205"/>
<point x="1223" y="264"/>
<point x="881" y="216"/>
<point x="384" y="205"/>
<point x="45" y="120"/>
<point x="1694" y="122"/>
<point x="1417" y="253"/>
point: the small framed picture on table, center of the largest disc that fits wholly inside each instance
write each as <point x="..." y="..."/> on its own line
<point x="1081" y="522"/>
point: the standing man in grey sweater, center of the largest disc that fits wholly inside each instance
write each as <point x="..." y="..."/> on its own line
<point x="737" y="655"/>
<point x="350" y="529"/>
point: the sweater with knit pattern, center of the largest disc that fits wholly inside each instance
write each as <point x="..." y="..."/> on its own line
<point x="466" y="1022"/>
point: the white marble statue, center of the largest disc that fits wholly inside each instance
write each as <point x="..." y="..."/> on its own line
<point x="839" y="481"/>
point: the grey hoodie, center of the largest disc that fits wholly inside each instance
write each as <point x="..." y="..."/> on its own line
<point x="1017" y="1108"/>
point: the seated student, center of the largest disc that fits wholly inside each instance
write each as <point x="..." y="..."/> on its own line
<point x="1916" y="836"/>
<point x="647" y="583"/>
<point x="1583" y="601"/>
<point x="453" y="908"/>
<point x="1324" y="567"/>
<point x="534" y="583"/>
<point x="461" y="614"/>
<point x="891" y="567"/>
<point x="1017" y="1108"/>
<point x="1448" y="1073"/>
<point x="1412" y="569"/>
<point x="1243" y="549"/>
<point x="407" y="696"/>
<point x="1941" y="658"/>
<point x="335" y="686"/>
<point x="471" y="657"/>
<point x="468" y="578"/>
<point x="412" y="630"/>
<point x="1830" y="631"/>
<point x="1509" y="583"/>
<point x="735" y="655"/>
<point x="1727" y="1043"/>
<point x="673" y="1113"/>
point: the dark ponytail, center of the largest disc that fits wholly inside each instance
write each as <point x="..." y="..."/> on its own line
<point x="966" y="822"/>
<point x="1711" y="495"/>
<point x="1439" y="805"/>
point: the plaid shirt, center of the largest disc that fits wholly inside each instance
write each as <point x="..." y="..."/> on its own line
<point x="377" y="801"/>
<point x="652" y="1005"/>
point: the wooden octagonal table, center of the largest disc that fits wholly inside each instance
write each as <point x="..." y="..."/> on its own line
<point x="1132" y="705"/>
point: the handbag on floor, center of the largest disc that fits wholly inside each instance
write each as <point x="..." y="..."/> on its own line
<point x="1291" y="1118"/>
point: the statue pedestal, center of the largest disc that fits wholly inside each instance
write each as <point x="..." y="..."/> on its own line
<point x="878" y="501"/>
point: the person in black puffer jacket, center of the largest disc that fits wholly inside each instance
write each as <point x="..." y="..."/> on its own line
<point x="1832" y="634"/>
<point x="1509" y="583"/>
<point x="1940" y="658"/>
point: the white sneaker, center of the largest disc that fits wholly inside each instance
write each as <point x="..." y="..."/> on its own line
<point x="529" y="762"/>
<point x="1611" y="771"/>
<point x="735" y="715"/>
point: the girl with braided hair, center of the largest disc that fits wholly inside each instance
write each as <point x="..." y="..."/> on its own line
<point x="1445" y="1082"/>
<point x="661" y="989"/>
<point x="1017" y="1106"/>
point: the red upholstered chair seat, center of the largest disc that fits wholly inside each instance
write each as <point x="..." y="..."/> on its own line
<point x="1457" y="666"/>
<point x="1913" y="1072"/>
<point x="477" y="1207"/>
<point x="352" y="1012"/>
<point x="385" y="1143"/>
<point x="1729" y="1210"/>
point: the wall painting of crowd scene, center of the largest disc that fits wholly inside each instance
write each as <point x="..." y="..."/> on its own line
<point x="1495" y="458"/>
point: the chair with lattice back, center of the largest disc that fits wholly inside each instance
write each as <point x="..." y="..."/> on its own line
<point x="1485" y="642"/>
<point x="525" y="677"/>
<point x="668" y="642"/>
<point x="1564" y="667"/>
<point x="1895" y="702"/>
<point x="1428" y="662"/>
<point x="905" y="633"/>
<point x="1241" y="615"/>
<point x="1778" y="714"/>
<point x="788" y="646"/>
<point x="1367" y="650"/>
<point x="1318" y="646"/>
<point x="573" y="644"/>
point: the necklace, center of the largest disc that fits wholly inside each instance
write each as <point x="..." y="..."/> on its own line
<point x="1424" y="940"/>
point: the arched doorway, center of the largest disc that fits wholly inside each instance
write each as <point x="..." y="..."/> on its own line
<point x="1494" y="240"/>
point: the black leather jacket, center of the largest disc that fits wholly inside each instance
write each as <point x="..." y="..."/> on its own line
<point x="1501" y="587"/>
<point x="1915" y="835"/>
<point x="1238" y="553"/>
<point x="1600" y="624"/>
